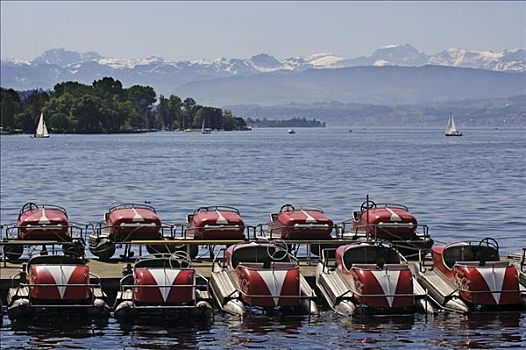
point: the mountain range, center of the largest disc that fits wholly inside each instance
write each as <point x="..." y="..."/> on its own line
<point x="57" y="65"/>
<point x="396" y="85"/>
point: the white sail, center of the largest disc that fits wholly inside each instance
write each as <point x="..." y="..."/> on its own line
<point x="451" y="129"/>
<point x="205" y="130"/>
<point x="41" y="128"/>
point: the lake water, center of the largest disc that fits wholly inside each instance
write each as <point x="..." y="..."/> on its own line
<point x="464" y="188"/>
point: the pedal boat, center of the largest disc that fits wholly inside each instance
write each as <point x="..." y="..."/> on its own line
<point x="391" y="222"/>
<point x="214" y="223"/>
<point x="467" y="277"/>
<point x="301" y="223"/>
<point x="124" y="223"/>
<point x="42" y="224"/>
<point x="59" y="284"/>
<point x="370" y="277"/>
<point x="261" y="276"/>
<point x="162" y="285"/>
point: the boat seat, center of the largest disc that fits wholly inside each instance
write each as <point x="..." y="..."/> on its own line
<point x="254" y="254"/>
<point x="466" y="253"/>
<point x="370" y="255"/>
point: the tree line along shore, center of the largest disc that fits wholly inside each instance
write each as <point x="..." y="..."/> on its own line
<point x="106" y="106"/>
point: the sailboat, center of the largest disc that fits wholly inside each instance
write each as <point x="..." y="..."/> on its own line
<point x="205" y="130"/>
<point x="41" y="130"/>
<point x="451" y="129"/>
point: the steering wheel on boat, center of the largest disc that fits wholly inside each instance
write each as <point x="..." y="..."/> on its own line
<point x="280" y="251"/>
<point x="286" y="207"/>
<point x="368" y="204"/>
<point x="28" y="206"/>
<point x="178" y="259"/>
<point x="489" y="242"/>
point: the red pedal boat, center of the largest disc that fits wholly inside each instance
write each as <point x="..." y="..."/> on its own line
<point x="469" y="277"/>
<point x="167" y="283"/>
<point x="55" y="283"/>
<point x="372" y="277"/>
<point x="261" y="275"/>
<point x="48" y="223"/>
<point x="215" y="223"/>
<point x="300" y="223"/>
<point x="124" y="223"/>
<point x="391" y="222"/>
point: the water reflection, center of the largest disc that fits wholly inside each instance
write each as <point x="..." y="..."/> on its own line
<point x="377" y="324"/>
<point x="481" y="330"/>
<point x="52" y="332"/>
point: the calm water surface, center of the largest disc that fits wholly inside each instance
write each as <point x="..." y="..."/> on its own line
<point x="463" y="188"/>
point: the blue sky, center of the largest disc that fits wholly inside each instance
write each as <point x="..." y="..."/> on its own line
<point x="192" y="30"/>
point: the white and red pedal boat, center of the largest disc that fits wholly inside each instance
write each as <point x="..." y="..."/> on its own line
<point x="58" y="284"/>
<point x="124" y="223"/>
<point x="301" y="223"/>
<point x="161" y="285"/>
<point x="261" y="276"/>
<point x="370" y="277"/>
<point x="391" y="222"/>
<point x="468" y="277"/>
<point x="42" y="225"/>
<point x="214" y="223"/>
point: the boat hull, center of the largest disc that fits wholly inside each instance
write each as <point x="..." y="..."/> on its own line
<point x="216" y="223"/>
<point x="43" y="224"/>
<point x="300" y="224"/>
<point x="386" y="223"/>
<point x="133" y="223"/>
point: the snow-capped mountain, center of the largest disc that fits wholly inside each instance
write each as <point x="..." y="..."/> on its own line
<point x="508" y="60"/>
<point x="59" y="65"/>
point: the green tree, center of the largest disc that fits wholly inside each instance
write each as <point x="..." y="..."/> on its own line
<point x="9" y="107"/>
<point x="58" y="113"/>
<point x="142" y="98"/>
<point x="175" y="114"/>
<point x="73" y="88"/>
<point x="88" y="114"/>
<point x="36" y="100"/>
<point x="108" y="88"/>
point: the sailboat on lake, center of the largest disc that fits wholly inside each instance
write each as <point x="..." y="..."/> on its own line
<point x="205" y="130"/>
<point x="41" y="130"/>
<point x="451" y="129"/>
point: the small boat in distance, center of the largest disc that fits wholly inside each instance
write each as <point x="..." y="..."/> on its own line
<point x="205" y="130"/>
<point x="291" y="131"/>
<point x="451" y="129"/>
<point x="41" y="130"/>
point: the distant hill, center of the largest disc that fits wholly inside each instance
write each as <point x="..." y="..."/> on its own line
<point x="373" y="85"/>
<point x="500" y="112"/>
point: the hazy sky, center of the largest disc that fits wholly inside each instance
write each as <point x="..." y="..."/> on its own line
<point x="191" y="30"/>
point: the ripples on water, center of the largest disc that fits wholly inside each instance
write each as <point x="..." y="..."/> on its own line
<point x="463" y="188"/>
